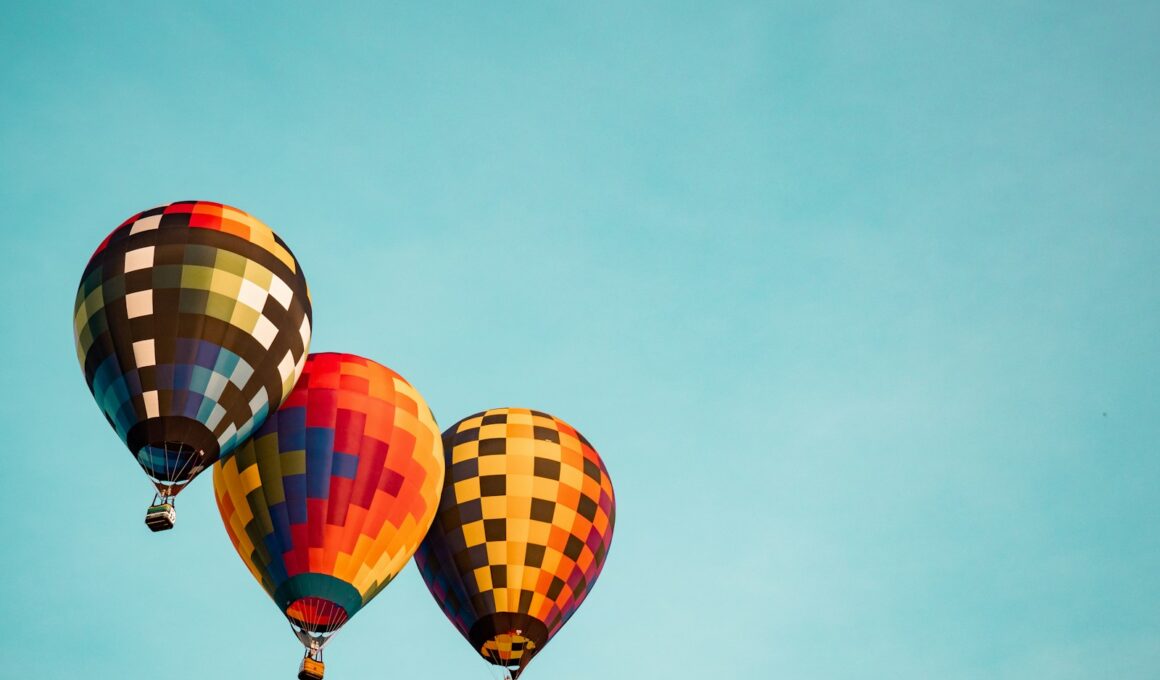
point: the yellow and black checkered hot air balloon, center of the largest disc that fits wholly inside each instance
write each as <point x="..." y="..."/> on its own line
<point x="522" y="532"/>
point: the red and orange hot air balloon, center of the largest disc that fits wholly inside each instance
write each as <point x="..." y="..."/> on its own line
<point x="523" y="529"/>
<point x="332" y="495"/>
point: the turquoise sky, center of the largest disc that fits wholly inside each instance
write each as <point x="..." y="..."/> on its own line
<point x="860" y="302"/>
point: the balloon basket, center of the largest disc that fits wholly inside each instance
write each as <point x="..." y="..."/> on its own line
<point x="311" y="669"/>
<point x="160" y="517"/>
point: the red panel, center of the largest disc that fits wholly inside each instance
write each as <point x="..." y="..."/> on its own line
<point x="340" y="489"/>
<point x="372" y="455"/>
<point x="315" y="520"/>
<point x="348" y="431"/>
<point x="321" y="408"/>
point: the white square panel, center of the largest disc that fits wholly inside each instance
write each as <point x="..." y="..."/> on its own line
<point x="152" y="410"/>
<point x="143" y="353"/>
<point x="281" y="292"/>
<point x="259" y="399"/>
<point x="139" y="303"/>
<point x="213" y="389"/>
<point x="141" y="258"/>
<point x="145" y="224"/>
<point x="286" y="366"/>
<point x="241" y="374"/>
<point x="265" y="332"/>
<point x="252" y="295"/>
<point x="230" y="432"/>
<point x="215" y="417"/>
<point x="304" y="330"/>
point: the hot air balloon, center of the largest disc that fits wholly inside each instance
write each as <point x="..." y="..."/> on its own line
<point x="332" y="495"/>
<point x="523" y="528"/>
<point x="192" y="321"/>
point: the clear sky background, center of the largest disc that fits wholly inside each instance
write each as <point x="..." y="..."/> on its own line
<point x="860" y="302"/>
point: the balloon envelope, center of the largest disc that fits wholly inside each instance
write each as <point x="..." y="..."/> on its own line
<point x="192" y="321"/>
<point x="332" y="495"/>
<point x="523" y="529"/>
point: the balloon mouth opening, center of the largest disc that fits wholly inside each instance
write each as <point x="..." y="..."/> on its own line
<point x="510" y="650"/>
<point x="172" y="449"/>
<point x="314" y="621"/>
<point x="316" y="615"/>
<point x="171" y="465"/>
<point x="509" y="640"/>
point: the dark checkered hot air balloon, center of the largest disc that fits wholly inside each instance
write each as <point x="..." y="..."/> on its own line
<point x="332" y="495"/>
<point x="523" y="529"/>
<point x="192" y="322"/>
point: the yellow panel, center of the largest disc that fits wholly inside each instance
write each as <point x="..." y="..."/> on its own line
<point x="464" y="451"/>
<point x="466" y="490"/>
<point x="569" y="442"/>
<point x="519" y="511"/>
<point x="519" y="486"/>
<point x="284" y="255"/>
<point x="483" y="579"/>
<point x="493" y="431"/>
<point x="385" y="562"/>
<point x="384" y="568"/>
<point x="356" y="559"/>
<point x="401" y="387"/>
<point x="492" y="465"/>
<point x="406" y="422"/>
<point x="501" y="599"/>
<point x="251" y="479"/>
<point x="538" y="532"/>
<point x="473" y="533"/>
<point x="259" y="274"/>
<point x="241" y="507"/>
<point x="521" y="451"/>
<point x="518" y="529"/>
<point x="470" y="423"/>
<point x="262" y="237"/>
<point x="496" y="552"/>
<point x="225" y="283"/>
<point x="428" y="419"/>
<point x="551" y="560"/>
<point x="494" y="507"/>
<point x="547" y="489"/>
<point x="564" y="517"/>
<point x="243" y="544"/>
<point x="573" y="477"/>
<point x="541" y="421"/>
